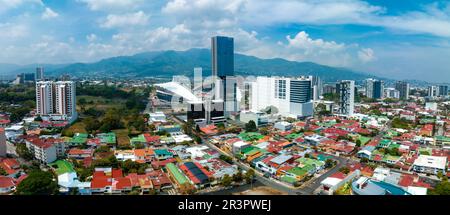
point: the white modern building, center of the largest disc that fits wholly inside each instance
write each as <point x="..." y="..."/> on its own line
<point x="292" y="97"/>
<point x="44" y="98"/>
<point x="346" y="97"/>
<point x="430" y="164"/>
<point x="65" y="98"/>
<point x="260" y="118"/>
<point x="57" y="99"/>
<point x="391" y="93"/>
<point x="43" y="151"/>
<point x="433" y="91"/>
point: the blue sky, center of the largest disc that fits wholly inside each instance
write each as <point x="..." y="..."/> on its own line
<point x="401" y="39"/>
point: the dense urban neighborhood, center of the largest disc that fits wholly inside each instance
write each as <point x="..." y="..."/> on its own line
<point x="289" y="135"/>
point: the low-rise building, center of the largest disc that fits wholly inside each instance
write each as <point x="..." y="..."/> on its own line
<point x="43" y="151"/>
<point x="430" y="164"/>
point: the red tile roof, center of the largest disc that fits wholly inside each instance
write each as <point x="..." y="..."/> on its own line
<point x="6" y="182"/>
<point x="122" y="183"/>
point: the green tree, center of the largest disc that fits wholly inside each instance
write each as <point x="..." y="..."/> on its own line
<point x="329" y="163"/>
<point x="442" y="188"/>
<point x="38" y="183"/>
<point x="2" y="171"/>
<point x="226" y="180"/>
<point x="344" y="170"/>
<point x="226" y="159"/>
<point x="249" y="175"/>
<point x="251" y="126"/>
<point x="23" y="152"/>
<point x="238" y="177"/>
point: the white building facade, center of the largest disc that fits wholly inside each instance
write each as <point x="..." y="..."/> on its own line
<point x="56" y="99"/>
<point x="292" y="97"/>
<point x="347" y="97"/>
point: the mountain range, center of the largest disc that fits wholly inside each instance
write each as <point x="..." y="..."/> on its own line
<point x="169" y="63"/>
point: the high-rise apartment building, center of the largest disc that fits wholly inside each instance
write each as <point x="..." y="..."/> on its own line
<point x="433" y="91"/>
<point x="403" y="88"/>
<point x="346" y="97"/>
<point x="44" y="98"/>
<point x="56" y="98"/>
<point x="374" y="88"/>
<point x="65" y="98"/>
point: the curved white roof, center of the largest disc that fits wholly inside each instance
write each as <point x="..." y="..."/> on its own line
<point x="179" y="90"/>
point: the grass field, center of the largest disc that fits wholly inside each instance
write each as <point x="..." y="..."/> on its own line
<point x="122" y="137"/>
<point x="100" y="103"/>
<point x="78" y="127"/>
<point x="62" y="167"/>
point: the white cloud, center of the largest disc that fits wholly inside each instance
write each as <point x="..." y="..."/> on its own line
<point x="15" y="31"/>
<point x="366" y="55"/>
<point x="11" y="4"/>
<point x="125" y="20"/>
<point x="113" y="5"/>
<point x="91" y="38"/>
<point x="49" y="14"/>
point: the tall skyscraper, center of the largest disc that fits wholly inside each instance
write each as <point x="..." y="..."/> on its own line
<point x="222" y="64"/>
<point x="403" y="88"/>
<point x="65" y="98"/>
<point x="56" y="98"/>
<point x="347" y="97"/>
<point x="222" y="56"/>
<point x="39" y="74"/>
<point x="44" y="97"/>
<point x="2" y="142"/>
<point x="374" y="88"/>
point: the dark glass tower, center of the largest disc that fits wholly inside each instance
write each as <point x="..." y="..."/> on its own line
<point x="222" y="65"/>
<point x="222" y="56"/>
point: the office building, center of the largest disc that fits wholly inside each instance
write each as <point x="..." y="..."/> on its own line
<point x="403" y="88"/>
<point x="346" y="97"/>
<point x="374" y="88"/>
<point x="56" y="99"/>
<point x="44" y="98"/>
<point x="222" y="64"/>
<point x="316" y="87"/>
<point x="443" y="90"/>
<point x="196" y="111"/>
<point x="39" y="74"/>
<point x="2" y="143"/>
<point x="291" y="97"/>
<point x="222" y="56"/>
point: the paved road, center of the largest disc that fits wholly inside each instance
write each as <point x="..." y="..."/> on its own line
<point x="276" y="184"/>
<point x="315" y="183"/>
